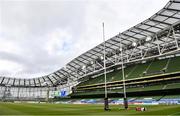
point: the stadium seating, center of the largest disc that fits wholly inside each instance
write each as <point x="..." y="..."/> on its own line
<point x="147" y="88"/>
<point x="154" y="67"/>
<point x="113" y="76"/>
<point x="171" y="96"/>
<point x="142" y="88"/>
<point x="174" y="65"/>
<point x="157" y="66"/>
<point x="138" y="71"/>
<point x="173" y="86"/>
<point x="133" y="89"/>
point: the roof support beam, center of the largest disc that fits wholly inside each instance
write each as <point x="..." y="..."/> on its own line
<point x="160" y="22"/>
<point x="71" y="66"/>
<point x="56" y="78"/>
<point x="152" y="26"/>
<point x="98" y="52"/>
<point x="174" y="1"/>
<point x="61" y="73"/>
<point x="137" y="33"/>
<point x="29" y="82"/>
<point x="2" y="80"/>
<point x="119" y="36"/>
<point x="50" y="80"/>
<point x="88" y="56"/>
<point x="44" y="80"/>
<point x="73" y="62"/>
<point x="8" y="81"/>
<point x="72" y="71"/>
<point x="34" y="82"/>
<point x="130" y="36"/>
<point x="92" y="53"/>
<point x="80" y="61"/>
<point x="145" y="30"/>
<point x="55" y="73"/>
<point x="19" y="81"/>
<point x="65" y="72"/>
<point x="112" y="44"/>
<point x="118" y="42"/>
<point x="24" y="82"/>
<point x="39" y="81"/>
<point x="168" y="16"/>
<point x="108" y="47"/>
<point x="14" y="81"/>
<point x="177" y="10"/>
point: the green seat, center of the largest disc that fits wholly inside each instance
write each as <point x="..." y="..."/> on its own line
<point x="139" y="70"/>
<point x="174" y="65"/>
<point x="157" y="66"/>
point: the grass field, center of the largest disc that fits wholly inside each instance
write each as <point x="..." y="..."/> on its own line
<point x="68" y="109"/>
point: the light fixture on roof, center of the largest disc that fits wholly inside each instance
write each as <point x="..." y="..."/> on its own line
<point x="102" y="57"/>
<point x="120" y="49"/>
<point x="148" y="38"/>
<point x="134" y="44"/>
<point x="83" y="67"/>
<point x="92" y="62"/>
<point x="45" y="83"/>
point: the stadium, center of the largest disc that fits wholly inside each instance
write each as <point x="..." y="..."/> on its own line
<point x="138" y="68"/>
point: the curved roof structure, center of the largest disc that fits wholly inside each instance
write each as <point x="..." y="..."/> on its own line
<point x="163" y="29"/>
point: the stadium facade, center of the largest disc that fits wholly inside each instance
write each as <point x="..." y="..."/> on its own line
<point x="151" y="57"/>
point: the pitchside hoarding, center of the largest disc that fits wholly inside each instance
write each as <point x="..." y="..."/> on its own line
<point x="61" y="93"/>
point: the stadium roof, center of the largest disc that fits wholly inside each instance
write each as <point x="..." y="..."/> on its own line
<point x="155" y="36"/>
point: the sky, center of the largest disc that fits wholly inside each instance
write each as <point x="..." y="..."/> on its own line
<point x="38" y="37"/>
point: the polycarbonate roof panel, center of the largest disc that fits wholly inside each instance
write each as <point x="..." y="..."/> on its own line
<point x="175" y="5"/>
<point x="148" y="28"/>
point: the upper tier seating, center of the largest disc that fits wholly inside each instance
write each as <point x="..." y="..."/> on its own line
<point x="155" y="67"/>
<point x="174" y="65"/>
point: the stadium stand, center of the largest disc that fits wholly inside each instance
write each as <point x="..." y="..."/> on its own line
<point x="164" y="66"/>
<point x="174" y="65"/>
<point x="172" y="86"/>
<point x="152" y="67"/>
<point x="160" y="74"/>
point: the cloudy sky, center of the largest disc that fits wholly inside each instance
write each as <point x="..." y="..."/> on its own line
<point x="38" y="37"/>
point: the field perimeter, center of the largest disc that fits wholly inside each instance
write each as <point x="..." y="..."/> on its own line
<point x="68" y="109"/>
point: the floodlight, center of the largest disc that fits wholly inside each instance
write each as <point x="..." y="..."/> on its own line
<point x="134" y="44"/>
<point x="45" y="83"/>
<point x="92" y="62"/>
<point x="83" y="67"/>
<point x="148" y="38"/>
<point x="102" y="57"/>
<point x="120" y="49"/>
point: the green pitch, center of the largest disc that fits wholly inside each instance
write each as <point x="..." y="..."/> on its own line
<point x="70" y="109"/>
